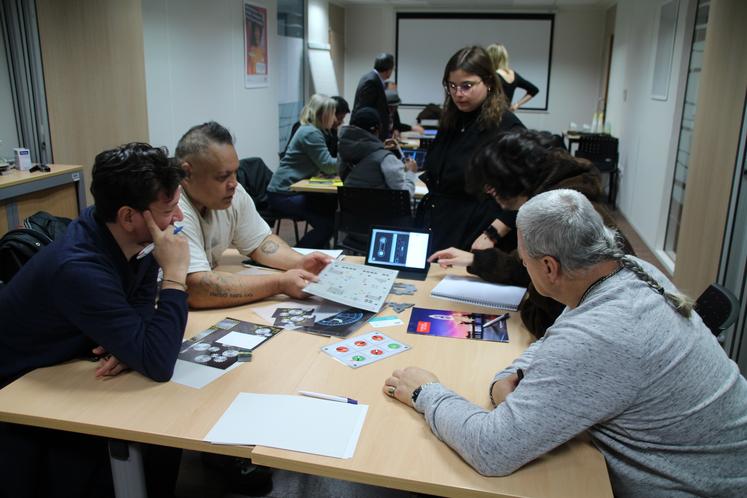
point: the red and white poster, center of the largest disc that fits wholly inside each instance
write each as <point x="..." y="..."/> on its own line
<point x="255" y="46"/>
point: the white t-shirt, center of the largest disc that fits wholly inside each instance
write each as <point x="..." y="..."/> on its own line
<point x="240" y="226"/>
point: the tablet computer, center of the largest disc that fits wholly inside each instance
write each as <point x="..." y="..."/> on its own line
<point x="403" y="249"/>
<point x="416" y="155"/>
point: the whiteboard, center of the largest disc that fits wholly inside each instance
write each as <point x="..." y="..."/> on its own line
<point x="322" y="72"/>
<point x="425" y="42"/>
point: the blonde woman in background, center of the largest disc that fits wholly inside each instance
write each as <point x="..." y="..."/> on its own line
<point x="510" y="79"/>
<point x="307" y="155"/>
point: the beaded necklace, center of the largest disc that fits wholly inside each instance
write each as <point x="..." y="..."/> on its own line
<point x="598" y="282"/>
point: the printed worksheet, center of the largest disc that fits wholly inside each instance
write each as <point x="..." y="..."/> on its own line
<point x="359" y="286"/>
<point x="365" y="349"/>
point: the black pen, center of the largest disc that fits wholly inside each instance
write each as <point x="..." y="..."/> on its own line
<point x="520" y="374"/>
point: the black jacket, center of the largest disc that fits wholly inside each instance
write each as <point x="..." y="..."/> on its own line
<point x="494" y="265"/>
<point x="455" y="217"/>
<point x="370" y="93"/>
<point x="360" y="157"/>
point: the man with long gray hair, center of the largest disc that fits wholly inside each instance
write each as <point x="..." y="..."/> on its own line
<point x="628" y="360"/>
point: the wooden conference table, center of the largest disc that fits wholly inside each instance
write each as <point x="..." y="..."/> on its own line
<point x="396" y="448"/>
<point x="328" y="188"/>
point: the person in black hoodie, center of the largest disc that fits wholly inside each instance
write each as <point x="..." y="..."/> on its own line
<point x="364" y="160"/>
<point x="513" y="169"/>
<point x="475" y="112"/>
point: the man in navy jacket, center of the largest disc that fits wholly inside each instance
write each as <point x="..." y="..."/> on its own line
<point x="371" y="91"/>
<point x="88" y="292"/>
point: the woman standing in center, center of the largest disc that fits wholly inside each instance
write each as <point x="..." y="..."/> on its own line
<point x="307" y="155"/>
<point x="475" y="112"/>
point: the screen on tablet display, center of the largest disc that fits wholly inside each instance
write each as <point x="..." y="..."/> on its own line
<point x="398" y="248"/>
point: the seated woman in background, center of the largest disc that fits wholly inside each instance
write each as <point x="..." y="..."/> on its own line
<point x="510" y="79"/>
<point x="307" y="156"/>
<point x="330" y="136"/>
<point x="512" y="169"/>
<point x="628" y="362"/>
<point x="475" y="112"/>
<point x="365" y="162"/>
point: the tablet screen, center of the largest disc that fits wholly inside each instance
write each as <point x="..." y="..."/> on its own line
<point x="416" y="155"/>
<point x="398" y="248"/>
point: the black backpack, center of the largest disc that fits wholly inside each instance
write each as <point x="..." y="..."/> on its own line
<point x="20" y="245"/>
<point x="16" y="248"/>
<point x="50" y="225"/>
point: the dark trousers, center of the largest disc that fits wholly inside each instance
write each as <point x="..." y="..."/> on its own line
<point x="37" y="462"/>
<point x="317" y="209"/>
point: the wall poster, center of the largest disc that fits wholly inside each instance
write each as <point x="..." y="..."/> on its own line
<point x="256" y="59"/>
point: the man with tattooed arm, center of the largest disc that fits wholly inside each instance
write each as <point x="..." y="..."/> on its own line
<point x="218" y="214"/>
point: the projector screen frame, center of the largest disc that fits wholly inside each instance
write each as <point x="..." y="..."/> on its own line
<point x="482" y="16"/>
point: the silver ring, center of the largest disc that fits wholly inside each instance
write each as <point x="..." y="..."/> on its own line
<point x="392" y="389"/>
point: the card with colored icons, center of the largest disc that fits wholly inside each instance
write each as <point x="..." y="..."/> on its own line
<point x="365" y="349"/>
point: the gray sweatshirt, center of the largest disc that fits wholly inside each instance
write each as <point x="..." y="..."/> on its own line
<point x="307" y="155"/>
<point x="658" y="395"/>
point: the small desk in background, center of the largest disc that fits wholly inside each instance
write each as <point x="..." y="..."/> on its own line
<point x="328" y="188"/>
<point x="60" y="192"/>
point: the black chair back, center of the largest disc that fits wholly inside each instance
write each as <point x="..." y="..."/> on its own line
<point x="254" y="176"/>
<point x="718" y="307"/>
<point x="362" y="208"/>
<point x="600" y="150"/>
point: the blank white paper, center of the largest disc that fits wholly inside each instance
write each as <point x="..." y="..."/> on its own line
<point x="242" y="340"/>
<point x="191" y="374"/>
<point x="297" y="423"/>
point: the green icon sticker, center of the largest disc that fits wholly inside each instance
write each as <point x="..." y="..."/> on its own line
<point x="358" y="358"/>
<point x="394" y="345"/>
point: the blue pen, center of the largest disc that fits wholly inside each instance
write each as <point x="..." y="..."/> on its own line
<point x="149" y="248"/>
<point x="328" y="397"/>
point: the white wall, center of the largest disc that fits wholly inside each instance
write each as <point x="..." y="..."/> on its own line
<point x="194" y="66"/>
<point x="578" y="46"/>
<point x="647" y="128"/>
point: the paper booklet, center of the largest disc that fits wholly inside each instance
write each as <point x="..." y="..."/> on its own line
<point x="474" y="291"/>
<point x="458" y="324"/>
<point x="359" y="286"/>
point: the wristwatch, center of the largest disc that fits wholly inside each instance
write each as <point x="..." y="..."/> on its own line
<point x="416" y="392"/>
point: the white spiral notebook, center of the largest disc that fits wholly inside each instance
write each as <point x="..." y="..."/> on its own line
<point x="474" y="291"/>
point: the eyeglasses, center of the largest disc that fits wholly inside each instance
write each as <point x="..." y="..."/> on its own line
<point x="464" y="86"/>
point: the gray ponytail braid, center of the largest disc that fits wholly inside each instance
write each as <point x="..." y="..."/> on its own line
<point x="680" y="302"/>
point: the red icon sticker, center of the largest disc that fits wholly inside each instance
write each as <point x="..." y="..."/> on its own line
<point x="342" y="349"/>
<point x="360" y="344"/>
<point x="423" y="327"/>
<point x="377" y="338"/>
<point x="377" y="352"/>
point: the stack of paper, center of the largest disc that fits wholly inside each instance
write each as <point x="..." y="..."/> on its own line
<point x="293" y="423"/>
<point x="475" y="291"/>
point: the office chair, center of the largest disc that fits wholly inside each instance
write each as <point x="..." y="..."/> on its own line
<point x="361" y="208"/>
<point x="254" y="176"/>
<point x="601" y="150"/>
<point x="719" y="309"/>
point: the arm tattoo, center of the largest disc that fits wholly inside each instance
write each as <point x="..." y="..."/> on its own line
<point x="269" y="247"/>
<point x="219" y="286"/>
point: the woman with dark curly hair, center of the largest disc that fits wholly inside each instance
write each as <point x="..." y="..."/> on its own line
<point x="475" y="112"/>
<point x="513" y="169"/>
